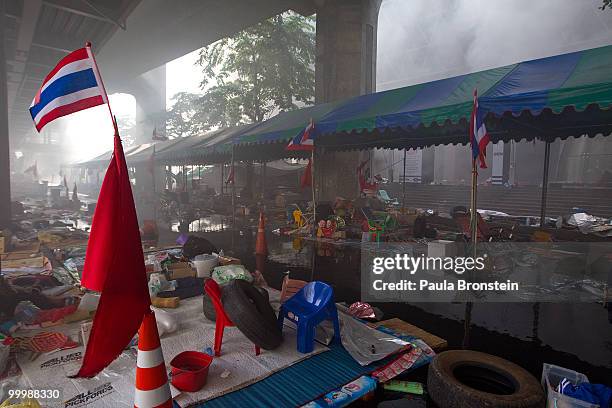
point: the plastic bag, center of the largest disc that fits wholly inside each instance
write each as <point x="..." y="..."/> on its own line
<point x="365" y="344"/>
<point x="224" y="274"/>
<point x="24" y="403"/>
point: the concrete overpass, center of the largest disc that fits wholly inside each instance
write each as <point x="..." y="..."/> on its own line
<point x="133" y="40"/>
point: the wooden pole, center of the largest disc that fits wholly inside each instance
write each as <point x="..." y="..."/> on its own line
<point x="263" y="182"/>
<point x="233" y="170"/>
<point x="314" y="201"/>
<point x="545" y="184"/>
<point x="222" y="167"/>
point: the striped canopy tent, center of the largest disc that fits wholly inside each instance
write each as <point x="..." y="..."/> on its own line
<point x="102" y="160"/>
<point x="548" y="98"/>
<point x="267" y="140"/>
<point x="149" y="151"/>
<point x="211" y="147"/>
<point x="134" y="155"/>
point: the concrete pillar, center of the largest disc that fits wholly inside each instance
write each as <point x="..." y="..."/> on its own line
<point x="149" y="90"/>
<point x="346" y="49"/>
<point x="5" y="167"/>
<point x="147" y="189"/>
<point x="345" y="66"/>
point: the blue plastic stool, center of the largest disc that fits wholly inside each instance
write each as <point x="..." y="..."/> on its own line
<point x="310" y="306"/>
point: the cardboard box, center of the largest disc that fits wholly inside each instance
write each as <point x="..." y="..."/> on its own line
<point x="22" y="259"/>
<point x="228" y="260"/>
<point x="29" y="247"/>
<point x="5" y="240"/>
<point x="180" y="270"/>
<point x="172" y="302"/>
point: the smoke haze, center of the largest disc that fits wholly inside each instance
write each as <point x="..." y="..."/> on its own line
<point x="425" y="40"/>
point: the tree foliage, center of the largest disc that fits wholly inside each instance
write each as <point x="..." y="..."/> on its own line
<point x="606" y="4"/>
<point x="249" y="77"/>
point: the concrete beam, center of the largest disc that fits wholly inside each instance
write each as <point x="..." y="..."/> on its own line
<point x="159" y="31"/>
<point x="90" y="11"/>
<point x="27" y="28"/>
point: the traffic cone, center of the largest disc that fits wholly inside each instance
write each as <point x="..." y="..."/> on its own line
<point x="152" y="388"/>
<point x="261" y="247"/>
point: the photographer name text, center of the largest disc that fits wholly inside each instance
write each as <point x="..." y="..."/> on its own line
<point x="443" y="286"/>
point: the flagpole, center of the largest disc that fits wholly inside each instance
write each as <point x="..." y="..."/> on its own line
<point x="99" y="78"/>
<point x="404" y="185"/>
<point x="474" y="210"/>
<point x="474" y="197"/>
<point x="312" y="179"/>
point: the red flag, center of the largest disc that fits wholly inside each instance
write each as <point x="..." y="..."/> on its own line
<point x="307" y="176"/>
<point x="114" y="265"/>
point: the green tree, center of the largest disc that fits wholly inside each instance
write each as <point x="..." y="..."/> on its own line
<point x="251" y="76"/>
<point x="606" y="4"/>
<point x="181" y="117"/>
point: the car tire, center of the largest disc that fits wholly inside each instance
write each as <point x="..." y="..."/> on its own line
<point x="208" y="308"/>
<point x="470" y="379"/>
<point x="251" y="312"/>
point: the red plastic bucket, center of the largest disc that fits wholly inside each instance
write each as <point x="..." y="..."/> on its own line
<point x="190" y="370"/>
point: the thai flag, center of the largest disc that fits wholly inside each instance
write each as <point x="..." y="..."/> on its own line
<point x="304" y="140"/>
<point x="479" y="137"/>
<point x="73" y="85"/>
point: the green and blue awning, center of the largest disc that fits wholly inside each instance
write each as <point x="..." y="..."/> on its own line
<point x="547" y="98"/>
<point x="519" y="92"/>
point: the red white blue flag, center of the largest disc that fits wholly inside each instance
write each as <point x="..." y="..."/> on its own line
<point x="73" y="85"/>
<point x="479" y="137"/>
<point x="304" y="140"/>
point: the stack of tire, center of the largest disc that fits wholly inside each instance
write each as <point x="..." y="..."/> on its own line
<point x="249" y="309"/>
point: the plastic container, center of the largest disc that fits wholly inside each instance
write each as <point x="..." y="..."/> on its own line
<point x="190" y="370"/>
<point x="204" y="264"/>
<point x="551" y="377"/>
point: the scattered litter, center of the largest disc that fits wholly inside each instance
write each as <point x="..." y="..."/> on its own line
<point x="404" y="386"/>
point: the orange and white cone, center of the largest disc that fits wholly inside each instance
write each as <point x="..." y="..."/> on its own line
<point x="152" y="388"/>
<point x="261" y="247"/>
